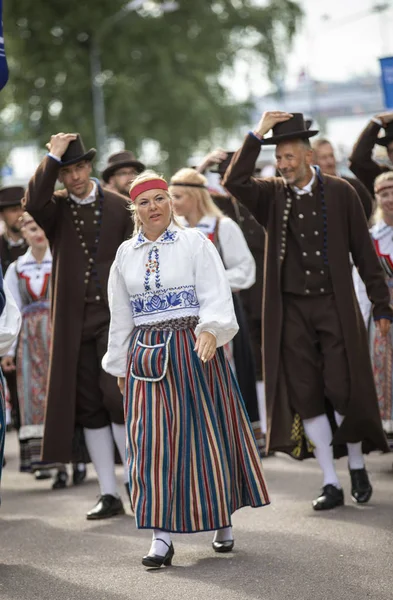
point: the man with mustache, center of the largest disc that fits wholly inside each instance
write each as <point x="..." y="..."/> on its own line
<point x="121" y="170"/>
<point x="316" y="358"/>
<point x="85" y="226"/>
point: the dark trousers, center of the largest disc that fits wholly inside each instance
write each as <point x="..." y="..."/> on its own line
<point x="98" y="399"/>
<point x="314" y="355"/>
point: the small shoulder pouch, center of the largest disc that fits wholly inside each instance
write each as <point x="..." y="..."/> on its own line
<point x="150" y="357"/>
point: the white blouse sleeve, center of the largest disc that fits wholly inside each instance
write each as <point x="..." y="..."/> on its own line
<point x="216" y="314"/>
<point x="121" y="324"/>
<point x="238" y="260"/>
<point x="11" y="278"/>
<point x="361" y="294"/>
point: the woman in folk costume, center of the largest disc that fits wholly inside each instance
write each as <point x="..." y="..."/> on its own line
<point x="192" y="454"/>
<point x="381" y="347"/>
<point x="194" y="205"/>
<point x="28" y="279"/>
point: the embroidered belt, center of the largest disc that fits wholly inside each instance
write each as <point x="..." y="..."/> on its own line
<point x="171" y="324"/>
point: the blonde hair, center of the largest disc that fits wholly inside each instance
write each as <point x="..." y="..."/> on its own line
<point x="147" y="176"/>
<point x="387" y="176"/>
<point x="201" y="195"/>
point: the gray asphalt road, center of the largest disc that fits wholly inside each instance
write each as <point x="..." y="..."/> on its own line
<point x="48" y="551"/>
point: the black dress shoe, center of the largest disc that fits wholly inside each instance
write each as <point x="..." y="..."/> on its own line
<point x="361" y="487"/>
<point x="330" y="498"/>
<point x="106" y="507"/>
<point x="60" y="482"/>
<point x="226" y="546"/>
<point x="78" y="474"/>
<point x="41" y="475"/>
<point x="155" y="561"/>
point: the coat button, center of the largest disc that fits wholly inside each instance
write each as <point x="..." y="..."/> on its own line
<point x="314" y="214"/>
<point x="322" y="272"/>
<point x="304" y="253"/>
<point x="308" y="272"/>
<point x="86" y="281"/>
<point x="98" y="298"/>
<point x="301" y="216"/>
<point x="322" y="290"/>
<point x="302" y="235"/>
<point x="318" y="253"/>
<point x="307" y="291"/>
<point x="316" y="232"/>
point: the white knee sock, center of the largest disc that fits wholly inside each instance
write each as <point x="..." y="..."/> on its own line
<point x="119" y="434"/>
<point x="223" y="535"/>
<point x="355" y="454"/>
<point x="99" y="443"/>
<point x="261" y="404"/>
<point x="319" y="432"/>
<point x="159" y="547"/>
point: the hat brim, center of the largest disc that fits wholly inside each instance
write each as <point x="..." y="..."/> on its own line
<point x="10" y="203"/>
<point x="109" y="171"/>
<point x="296" y="135"/>
<point x="385" y="141"/>
<point x="88" y="156"/>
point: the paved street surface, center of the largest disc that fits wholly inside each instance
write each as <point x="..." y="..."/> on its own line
<point x="283" y="552"/>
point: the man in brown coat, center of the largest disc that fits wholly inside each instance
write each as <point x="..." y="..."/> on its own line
<point x="314" y="340"/>
<point x="85" y="225"/>
<point x="324" y="157"/>
<point x="121" y="170"/>
<point x="361" y="162"/>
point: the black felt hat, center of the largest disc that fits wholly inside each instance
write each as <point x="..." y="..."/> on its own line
<point x="116" y="161"/>
<point x="76" y="152"/>
<point x="293" y="129"/>
<point x="11" y="196"/>
<point x="388" y="137"/>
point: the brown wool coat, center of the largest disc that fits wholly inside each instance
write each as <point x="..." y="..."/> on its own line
<point x="347" y="233"/>
<point x="361" y="162"/>
<point x="53" y="214"/>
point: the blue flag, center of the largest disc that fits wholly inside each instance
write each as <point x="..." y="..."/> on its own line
<point x="387" y="80"/>
<point x="3" y="59"/>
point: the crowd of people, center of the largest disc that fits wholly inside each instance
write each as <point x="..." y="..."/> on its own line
<point x="159" y="321"/>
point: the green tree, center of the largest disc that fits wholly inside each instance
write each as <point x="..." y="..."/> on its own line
<point x="160" y="71"/>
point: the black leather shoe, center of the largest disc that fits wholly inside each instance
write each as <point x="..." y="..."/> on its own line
<point x="41" y="475"/>
<point x="155" y="561"/>
<point x="226" y="546"/>
<point x="78" y="474"/>
<point x="106" y="507"/>
<point x="60" y="482"/>
<point x="330" y="498"/>
<point x="361" y="487"/>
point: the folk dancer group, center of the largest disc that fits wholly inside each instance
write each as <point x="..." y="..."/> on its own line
<point x="160" y="308"/>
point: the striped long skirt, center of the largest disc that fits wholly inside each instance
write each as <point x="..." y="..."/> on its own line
<point x="193" y="459"/>
<point x="2" y="422"/>
<point x="32" y="363"/>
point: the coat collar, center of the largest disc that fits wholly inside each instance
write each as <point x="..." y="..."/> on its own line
<point x="170" y="235"/>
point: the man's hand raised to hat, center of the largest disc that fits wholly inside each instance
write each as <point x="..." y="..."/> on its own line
<point x="269" y="119"/>
<point x="59" y="143"/>
<point x="385" y="117"/>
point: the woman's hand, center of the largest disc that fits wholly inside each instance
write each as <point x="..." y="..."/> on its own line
<point x="121" y="382"/>
<point x="205" y="346"/>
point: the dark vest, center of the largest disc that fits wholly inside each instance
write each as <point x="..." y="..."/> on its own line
<point x="304" y="270"/>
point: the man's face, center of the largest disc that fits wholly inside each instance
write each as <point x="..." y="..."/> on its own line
<point x="390" y="152"/>
<point x="76" y="178"/>
<point x="122" y="179"/>
<point x="11" y="217"/>
<point x="324" y="157"/>
<point x="293" y="160"/>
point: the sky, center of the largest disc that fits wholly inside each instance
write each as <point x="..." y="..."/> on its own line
<point x="341" y="38"/>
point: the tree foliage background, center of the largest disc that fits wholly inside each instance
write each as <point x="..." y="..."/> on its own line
<point x="160" y="70"/>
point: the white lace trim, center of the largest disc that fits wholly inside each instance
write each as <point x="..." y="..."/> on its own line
<point x="162" y="316"/>
<point x="31" y="431"/>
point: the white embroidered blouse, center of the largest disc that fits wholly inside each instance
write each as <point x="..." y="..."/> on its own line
<point x="236" y="255"/>
<point x="179" y="275"/>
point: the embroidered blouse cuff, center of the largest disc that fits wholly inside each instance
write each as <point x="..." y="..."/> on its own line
<point x="389" y="318"/>
<point x="256" y="135"/>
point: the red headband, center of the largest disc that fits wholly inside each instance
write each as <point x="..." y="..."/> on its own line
<point x="384" y="187"/>
<point x="145" y="186"/>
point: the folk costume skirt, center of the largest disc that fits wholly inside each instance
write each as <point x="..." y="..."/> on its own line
<point x="193" y="459"/>
<point x="32" y="363"/>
